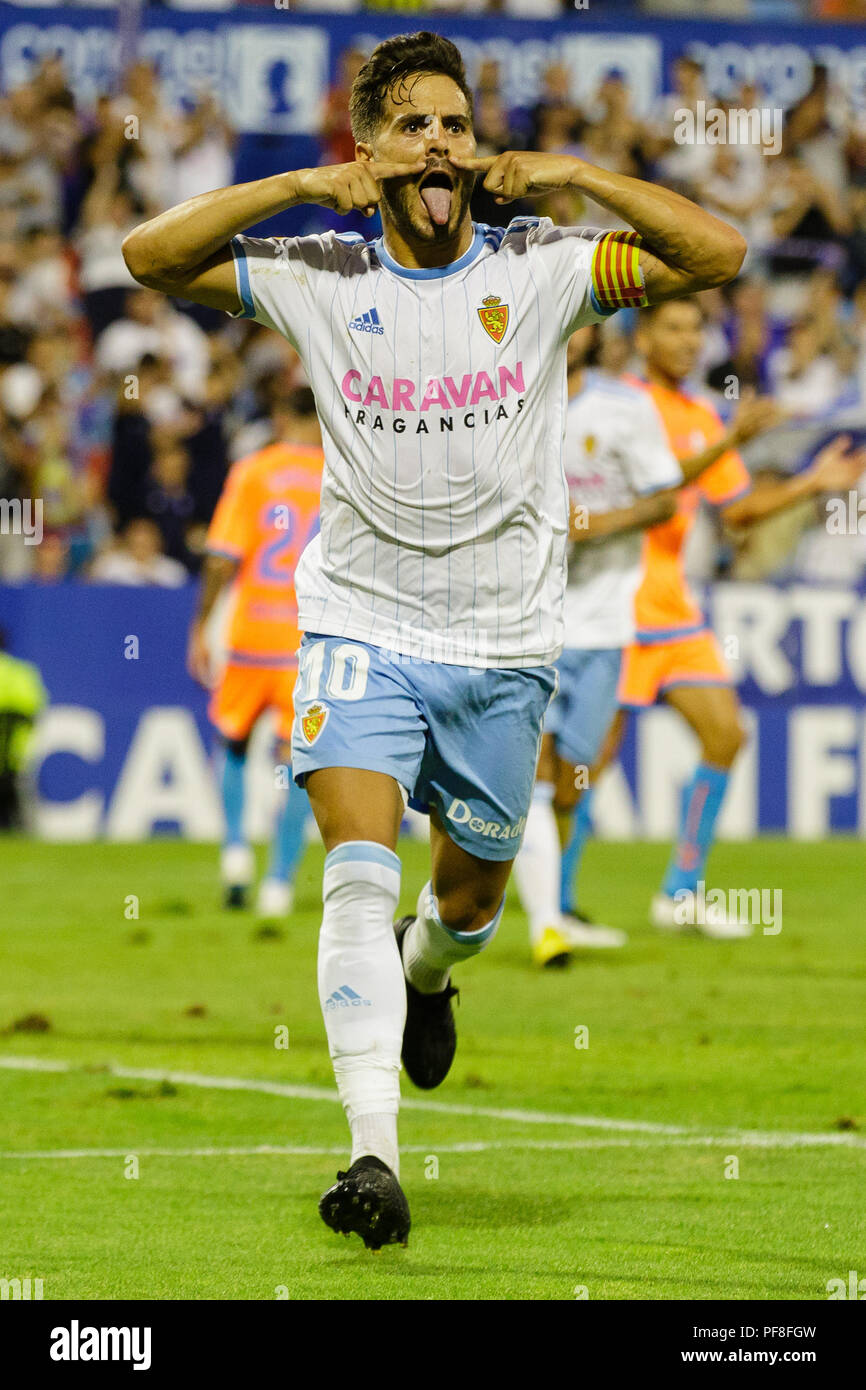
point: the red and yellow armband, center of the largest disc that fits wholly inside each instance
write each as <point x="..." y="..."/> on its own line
<point x="617" y="282"/>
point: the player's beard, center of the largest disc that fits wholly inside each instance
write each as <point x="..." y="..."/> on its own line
<point x="402" y="203"/>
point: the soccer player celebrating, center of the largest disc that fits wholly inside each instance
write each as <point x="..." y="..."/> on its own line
<point x="675" y="656"/>
<point x="268" y="510"/>
<point x="431" y="602"/>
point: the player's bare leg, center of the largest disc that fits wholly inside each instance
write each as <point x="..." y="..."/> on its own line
<point x="713" y="713"/>
<point x="469" y="890"/>
<point x="457" y="915"/>
<point x="350" y="803"/>
<point x="363" y="994"/>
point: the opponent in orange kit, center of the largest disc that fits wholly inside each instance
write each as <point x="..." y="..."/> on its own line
<point x="267" y="513"/>
<point x="676" y="657"/>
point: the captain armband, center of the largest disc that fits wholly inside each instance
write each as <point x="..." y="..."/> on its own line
<point x="617" y="280"/>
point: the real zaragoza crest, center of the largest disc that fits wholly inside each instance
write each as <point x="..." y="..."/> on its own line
<point x="494" y="317"/>
<point x="313" y="722"/>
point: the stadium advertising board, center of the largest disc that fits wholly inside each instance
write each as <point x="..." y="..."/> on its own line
<point x="124" y="751"/>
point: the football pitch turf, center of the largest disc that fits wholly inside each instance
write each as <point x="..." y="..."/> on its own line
<point x="542" y="1168"/>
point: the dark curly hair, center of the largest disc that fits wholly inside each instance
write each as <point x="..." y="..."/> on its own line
<point x="389" y="66"/>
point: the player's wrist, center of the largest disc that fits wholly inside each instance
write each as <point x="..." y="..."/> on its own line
<point x="811" y="483"/>
<point x="294" y="186"/>
<point x="575" y="169"/>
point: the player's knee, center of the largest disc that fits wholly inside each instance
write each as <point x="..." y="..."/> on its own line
<point x="467" y="909"/>
<point x="722" y="742"/>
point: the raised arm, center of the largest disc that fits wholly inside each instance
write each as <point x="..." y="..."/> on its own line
<point x="185" y="251"/>
<point x="755" y="415"/>
<point x="684" y="247"/>
<point x="836" y="468"/>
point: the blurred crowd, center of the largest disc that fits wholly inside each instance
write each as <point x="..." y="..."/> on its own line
<point x="122" y="410"/>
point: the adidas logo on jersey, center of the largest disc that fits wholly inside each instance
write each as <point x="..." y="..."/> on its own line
<point x="344" y="998"/>
<point x="367" y="323"/>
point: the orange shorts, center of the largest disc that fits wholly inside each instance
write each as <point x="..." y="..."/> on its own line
<point x="648" y="670"/>
<point x="245" y="692"/>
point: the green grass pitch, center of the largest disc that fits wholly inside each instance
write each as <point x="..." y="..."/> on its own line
<point x="539" y="1170"/>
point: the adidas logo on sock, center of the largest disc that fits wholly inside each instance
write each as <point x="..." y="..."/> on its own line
<point x="345" y="998"/>
<point x="367" y="323"/>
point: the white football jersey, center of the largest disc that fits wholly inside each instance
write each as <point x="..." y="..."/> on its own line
<point x="442" y="398"/>
<point x="616" y="449"/>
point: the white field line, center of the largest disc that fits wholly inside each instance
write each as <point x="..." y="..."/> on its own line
<point x="339" y="1150"/>
<point x="661" y="1132"/>
<point x="472" y="1146"/>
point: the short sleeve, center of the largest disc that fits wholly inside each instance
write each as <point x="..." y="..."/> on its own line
<point x="229" y="532"/>
<point x="278" y="278"/>
<point x="651" y="463"/>
<point x="726" y="480"/>
<point x="593" y="273"/>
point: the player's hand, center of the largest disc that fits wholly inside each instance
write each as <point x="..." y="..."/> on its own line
<point x="521" y="173"/>
<point x="755" y="415"/>
<point x="347" y="187"/>
<point x="198" y="661"/>
<point x="838" y="466"/>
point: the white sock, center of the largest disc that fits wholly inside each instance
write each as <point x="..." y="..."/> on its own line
<point x="430" y="948"/>
<point x="538" y="866"/>
<point x="362" y="992"/>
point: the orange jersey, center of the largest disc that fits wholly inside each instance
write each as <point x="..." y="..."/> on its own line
<point x="664" y="605"/>
<point x="268" y="511"/>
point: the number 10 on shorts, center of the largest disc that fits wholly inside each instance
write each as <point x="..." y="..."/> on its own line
<point x="347" y="671"/>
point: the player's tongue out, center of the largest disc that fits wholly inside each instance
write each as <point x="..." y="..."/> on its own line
<point x="437" y="201"/>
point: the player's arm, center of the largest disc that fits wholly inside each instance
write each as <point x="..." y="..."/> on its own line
<point x="218" y="572"/>
<point x="185" y="251"/>
<point x="836" y="468"/>
<point x="645" y="511"/>
<point x="684" y="248"/>
<point x="755" y="415"/>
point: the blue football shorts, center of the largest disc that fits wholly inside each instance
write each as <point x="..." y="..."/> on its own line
<point x="462" y="741"/>
<point x="585" y="704"/>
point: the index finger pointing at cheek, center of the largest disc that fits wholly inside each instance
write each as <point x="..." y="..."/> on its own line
<point x="384" y="169"/>
<point x="479" y="166"/>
